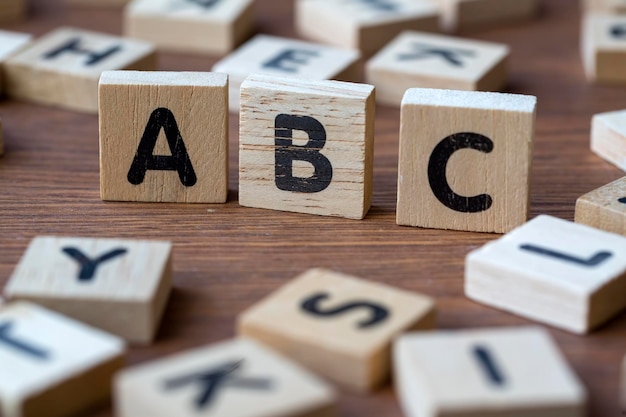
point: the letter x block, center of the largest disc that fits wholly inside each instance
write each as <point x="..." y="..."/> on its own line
<point x="477" y="14"/>
<point x="465" y="160"/>
<point x="120" y="286"/>
<point x="238" y="378"/>
<point x="10" y="43"/>
<point x="604" y="208"/>
<point x="12" y="10"/>
<point x="608" y="137"/>
<point x="604" y="47"/>
<point x="63" y="67"/>
<point x="564" y="274"/>
<point x="338" y="326"/>
<point x="53" y="366"/>
<point x="306" y="146"/>
<point x="489" y="372"/>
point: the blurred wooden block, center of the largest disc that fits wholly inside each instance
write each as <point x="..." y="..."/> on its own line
<point x="10" y="43"/>
<point x="214" y="27"/>
<point x="366" y="25"/>
<point x="120" y="286"/>
<point x="475" y="14"/>
<point x="492" y="372"/>
<point x="237" y="378"/>
<point x="306" y="146"/>
<point x="604" y="208"/>
<point x="53" y="366"/>
<point x="563" y="274"/>
<point x="63" y="67"/>
<point x="12" y="10"/>
<point x="482" y="188"/>
<point x="416" y="59"/>
<point x="613" y="6"/>
<point x="608" y="137"/>
<point x="623" y="385"/>
<point x="604" y="47"/>
<point x="286" y="58"/>
<point x="164" y="136"/>
<point x="338" y="326"/>
<point x="1" y="138"/>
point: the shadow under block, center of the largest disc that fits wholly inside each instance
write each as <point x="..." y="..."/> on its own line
<point x="465" y="160"/>
<point x="164" y="136"/>
<point x="12" y="10"/>
<point x="489" y="372"/>
<point x="237" y="378"/>
<point x="286" y="58"/>
<point x="62" y="68"/>
<point x="51" y="365"/>
<point x="550" y="270"/>
<point x="338" y="326"/>
<point x="363" y="24"/>
<point x="476" y="14"/>
<point x="416" y="59"/>
<point x="608" y="137"/>
<point x="604" y="47"/>
<point x="214" y="27"/>
<point x="306" y="146"/>
<point x="10" y="43"/>
<point x="120" y="286"/>
<point x="604" y="208"/>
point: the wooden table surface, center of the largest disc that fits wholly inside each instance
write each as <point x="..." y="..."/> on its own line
<point x="228" y="257"/>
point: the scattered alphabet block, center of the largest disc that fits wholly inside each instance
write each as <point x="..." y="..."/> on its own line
<point x="560" y="273"/>
<point x="164" y="136"/>
<point x="234" y="378"/>
<point x="604" y="208"/>
<point x="496" y="372"/>
<point x="213" y="26"/>
<point x="425" y="60"/>
<point x="608" y="137"/>
<point x="465" y="160"/>
<point x="366" y="25"/>
<point x="10" y="43"/>
<point x="604" y="47"/>
<point x="120" y="286"/>
<point x="339" y="326"/>
<point x="12" y="10"/>
<point x="331" y="173"/>
<point x="286" y="58"/>
<point x="467" y="14"/>
<point x="51" y="365"/>
<point x="63" y="67"/>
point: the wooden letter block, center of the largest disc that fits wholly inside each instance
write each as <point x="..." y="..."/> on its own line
<point x="120" y="286"/>
<point x="62" y="68"/>
<point x="433" y="61"/>
<point x="338" y="326"/>
<point x="608" y="137"/>
<point x="604" y="47"/>
<point x="467" y="14"/>
<point x="489" y="372"/>
<point x="366" y="25"/>
<point x="306" y="146"/>
<point x="604" y="208"/>
<point x="465" y="160"/>
<point x="12" y="10"/>
<point x="286" y="58"/>
<point x="10" y="43"/>
<point x="164" y="136"/>
<point x="53" y="366"/>
<point x="564" y="274"/>
<point x="214" y="27"/>
<point x="237" y="378"/>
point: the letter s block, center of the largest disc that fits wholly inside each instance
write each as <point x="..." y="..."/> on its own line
<point x="465" y="160"/>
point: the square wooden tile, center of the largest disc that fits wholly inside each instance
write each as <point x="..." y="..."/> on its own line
<point x="603" y="47"/>
<point x="608" y="137"/>
<point x="604" y="208"/>
<point x="478" y="14"/>
<point x="12" y="10"/>
<point x="10" y="43"/>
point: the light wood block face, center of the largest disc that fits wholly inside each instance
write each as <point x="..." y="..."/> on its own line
<point x="465" y="160"/>
<point x="306" y="146"/>
<point x="623" y="385"/>
<point x="604" y="208"/>
<point x="365" y="25"/>
<point x="144" y="116"/>
<point x="214" y="26"/>
<point x="613" y="6"/>
<point x="604" y="47"/>
<point x="53" y="366"/>
<point x="608" y="137"/>
<point x="560" y="273"/>
<point x="63" y="67"/>
<point x="10" y="43"/>
<point x="475" y="14"/>
<point x="284" y="57"/>
<point x="12" y="10"/>
<point x="120" y="286"/>
<point x="338" y="326"/>
<point x="238" y="378"/>
<point x="423" y="60"/>
<point x="489" y="372"/>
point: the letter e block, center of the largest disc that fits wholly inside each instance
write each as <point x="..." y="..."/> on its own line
<point x="604" y="208"/>
<point x="471" y="14"/>
<point x="608" y="137"/>
<point x="604" y="47"/>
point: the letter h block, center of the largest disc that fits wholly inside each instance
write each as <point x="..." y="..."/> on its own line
<point x="306" y="146"/>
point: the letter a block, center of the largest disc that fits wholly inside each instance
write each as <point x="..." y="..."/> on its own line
<point x="489" y="372"/>
<point x="608" y="137"/>
<point x="338" y="326"/>
<point x="120" y="286"/>
<point x="164" y="137"/>
<point x="306" y="146"/>
<point x="465" y="160"/>
<point x="604" y="208"/>
<point x="53" y="366"/>
<point x="604" y="47"/>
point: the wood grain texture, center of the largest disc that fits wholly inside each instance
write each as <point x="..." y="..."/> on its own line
<point x="228" y="257"/>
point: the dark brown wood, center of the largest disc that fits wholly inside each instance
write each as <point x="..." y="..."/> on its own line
<point x="228" y="257"/>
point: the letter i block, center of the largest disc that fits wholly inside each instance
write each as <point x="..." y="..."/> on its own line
<point x="604" y="47"/>
<point x="337" y="325"/>
<point x="306" y="146"/>
<point x="120" y="286"/>
<point x="465" y="160"/>
<point x="51" y="365"/>
<point x="604" y="208"/>
<point x="12" y="10"/>
<point x="488" y="372"/>
<point x="164" y="136"/>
